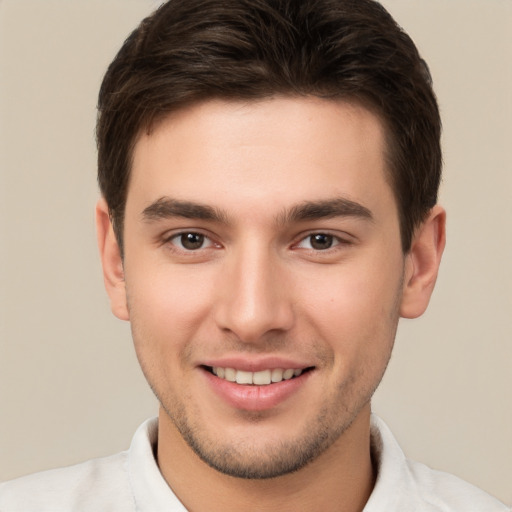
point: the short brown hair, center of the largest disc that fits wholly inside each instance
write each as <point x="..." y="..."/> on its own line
<point x="192" y="50"/>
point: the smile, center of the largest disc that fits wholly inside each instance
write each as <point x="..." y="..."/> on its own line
<point x="264" y="388"/>
<point x="260" y="378"/>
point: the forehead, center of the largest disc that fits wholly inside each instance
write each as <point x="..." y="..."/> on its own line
<point x="261" y="154"/>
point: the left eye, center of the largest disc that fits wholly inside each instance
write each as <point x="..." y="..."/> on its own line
<point x="319" y="242"/>
<point x="191" y="241"/>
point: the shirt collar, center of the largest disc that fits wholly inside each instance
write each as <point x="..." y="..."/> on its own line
<point x="151" y="492"/>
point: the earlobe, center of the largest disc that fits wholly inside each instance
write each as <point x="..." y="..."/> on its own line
<point x="111" y="261"/>
<point x="422" y="264"/>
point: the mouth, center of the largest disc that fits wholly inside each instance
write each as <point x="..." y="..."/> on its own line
<point x="259" y="378"/>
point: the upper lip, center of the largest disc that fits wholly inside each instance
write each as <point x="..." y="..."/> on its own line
<point x="256" y="364"/>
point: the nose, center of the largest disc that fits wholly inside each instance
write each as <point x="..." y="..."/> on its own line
<point x="254" y="298"/>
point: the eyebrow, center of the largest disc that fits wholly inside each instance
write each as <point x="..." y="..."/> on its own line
<point x="167" y="208"/>
<point x="325" y="209"/>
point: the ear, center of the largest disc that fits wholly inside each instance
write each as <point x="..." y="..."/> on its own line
<point x="422" y="264"/>
<point x="111" y="261"/>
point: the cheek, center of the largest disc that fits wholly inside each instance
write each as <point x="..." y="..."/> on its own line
<point x="355" y="308"/>
<point x="167" y="307"/>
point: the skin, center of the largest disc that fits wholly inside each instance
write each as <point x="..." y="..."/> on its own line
<point x="258" y="290"/>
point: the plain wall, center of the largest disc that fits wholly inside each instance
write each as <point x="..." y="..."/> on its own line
<point x="70" y="385"/>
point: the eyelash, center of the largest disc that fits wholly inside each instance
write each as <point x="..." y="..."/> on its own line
<point x="336" y="242"/>
<point x="179" y="236"/>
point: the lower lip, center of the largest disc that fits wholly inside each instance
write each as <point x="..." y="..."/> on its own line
<point x="252" y="397"/>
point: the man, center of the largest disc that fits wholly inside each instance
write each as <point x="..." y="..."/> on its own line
<point x="269" y="173"/>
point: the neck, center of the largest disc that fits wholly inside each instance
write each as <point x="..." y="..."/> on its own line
<point x="341" y="479"/>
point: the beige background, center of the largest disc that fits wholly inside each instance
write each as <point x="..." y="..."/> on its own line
<point x="70" y="387"/>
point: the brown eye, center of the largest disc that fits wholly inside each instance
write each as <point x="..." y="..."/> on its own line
<point x="321" y="241"/>
<point x="191" y="241"/>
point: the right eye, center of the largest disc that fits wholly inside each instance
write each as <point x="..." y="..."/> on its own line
<point x="319" y="242"/>
<point x="190" y="241"/>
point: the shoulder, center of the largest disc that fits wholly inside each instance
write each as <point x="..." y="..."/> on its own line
<point x="98" y="484"/>
<point x="403" y="484"/>
<point x="446" y="492"/>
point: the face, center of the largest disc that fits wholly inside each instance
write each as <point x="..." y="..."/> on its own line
<point x="263" y="276"/>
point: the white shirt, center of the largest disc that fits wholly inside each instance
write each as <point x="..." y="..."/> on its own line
<point x="131" y="482"/>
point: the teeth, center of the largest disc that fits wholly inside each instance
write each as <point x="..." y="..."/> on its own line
<point x="261" y="378"/>
<point x="277" y="375"/>
<point x="229" y="374"/>
<point x="288" y="374"/>
<point x="243" y="377"/>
